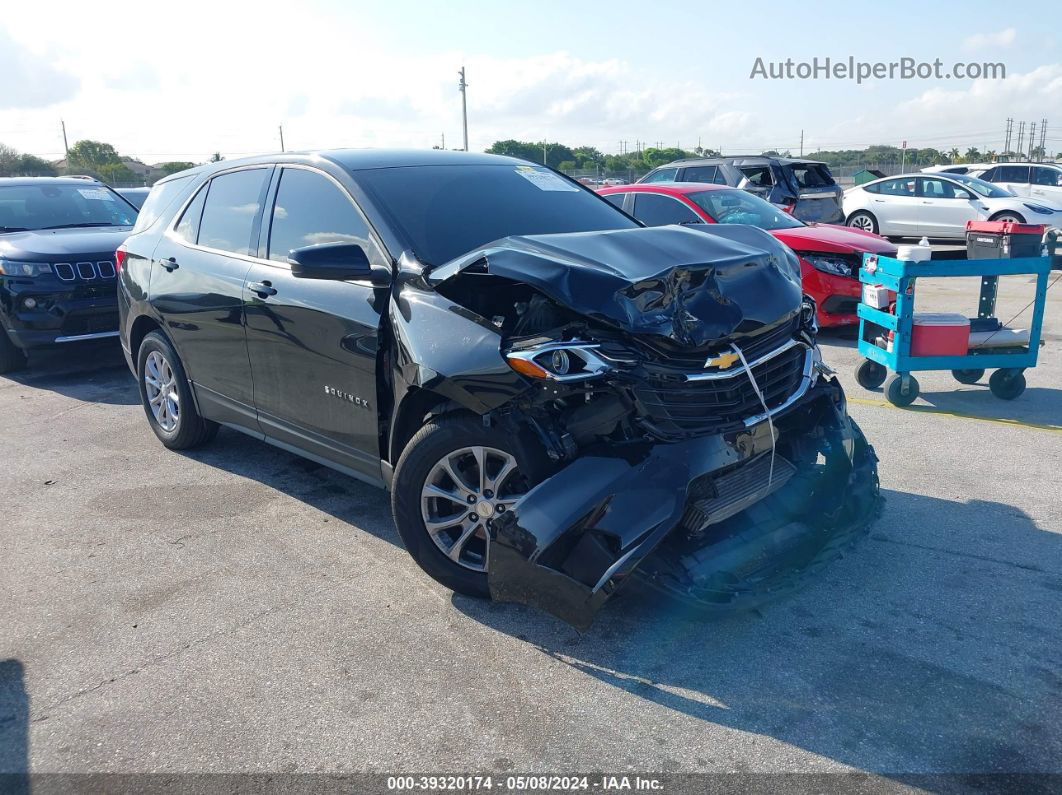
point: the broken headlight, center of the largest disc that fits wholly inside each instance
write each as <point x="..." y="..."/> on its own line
<point x="827" y="263"/>
<point x="559" y="361"/>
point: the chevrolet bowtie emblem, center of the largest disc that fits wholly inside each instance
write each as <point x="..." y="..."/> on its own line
<point x="722" y="361"/>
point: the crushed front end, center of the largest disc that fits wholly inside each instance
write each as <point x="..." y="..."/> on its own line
<point x="698" y="441"/>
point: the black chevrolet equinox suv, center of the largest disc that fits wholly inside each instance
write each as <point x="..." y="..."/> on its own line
<point x="58" y="236"/>
<point x="556" y="396"/>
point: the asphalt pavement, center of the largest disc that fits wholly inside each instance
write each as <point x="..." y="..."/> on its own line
<point x="238" y="608"/>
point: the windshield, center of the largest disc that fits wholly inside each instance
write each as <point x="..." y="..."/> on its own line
<point x="741" y="207"/>
<point x="50" y="206"/>
<point x="446" y="211"/>
<point x="980" y="186"/>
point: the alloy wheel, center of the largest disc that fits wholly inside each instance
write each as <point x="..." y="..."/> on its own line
<point x="863" y="222"/>
<point x="160" y="382"/>
<point x="463" y="492"/>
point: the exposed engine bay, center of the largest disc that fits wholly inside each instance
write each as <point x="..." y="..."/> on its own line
<point x="696" y="439"/>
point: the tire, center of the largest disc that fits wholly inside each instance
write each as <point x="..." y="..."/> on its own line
<point x="968" y="376"/>
<point x="1008" y="215"/>
<point x="452" y="438"/>
<point x="12" y="357"/>
<point x="178" y="425"/>
<point x="1007" y="384"/>
<point x="861" y="219"/>
<point x="870" y="375"/>
<point x="894" y="390"/>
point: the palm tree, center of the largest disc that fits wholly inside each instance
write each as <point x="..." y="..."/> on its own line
<point x="953" y="155"/>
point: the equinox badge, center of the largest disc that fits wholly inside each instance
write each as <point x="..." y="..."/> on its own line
<point x="339" y="393"/>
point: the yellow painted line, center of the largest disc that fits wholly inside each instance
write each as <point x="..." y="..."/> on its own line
<point x="884" y="404"/>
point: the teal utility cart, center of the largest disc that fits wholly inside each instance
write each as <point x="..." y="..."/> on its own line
<point x="1005" y="351"/>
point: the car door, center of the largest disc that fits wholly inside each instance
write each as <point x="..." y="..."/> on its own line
<point x="198" y="273"/>
<point x="656" y="209"/>
<point x="1046" y="183"/>
<point x="662" y="175"/>
<point x="896" y="205"/>
<point x="312" y="343"/>
<point x="945" y="208"/>
<point x="1012" y="178"/>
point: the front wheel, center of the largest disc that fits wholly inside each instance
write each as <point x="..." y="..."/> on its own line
<point x="870" y="375"/>
<point x="863" y="220"/>
<point x="901" y="392"/>
<point x="1014" y="218"/>
<point x="454" y="476"/>
<point x="968" y="376"/>
<point x="167" y="396"/>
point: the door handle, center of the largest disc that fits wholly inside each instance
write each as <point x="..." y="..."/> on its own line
<point x="170" y="264"/>
<point x="263" y="289"/>
<point x="927" y="202"/>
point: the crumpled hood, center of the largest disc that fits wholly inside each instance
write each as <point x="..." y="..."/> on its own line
<point x="688" y="286"/>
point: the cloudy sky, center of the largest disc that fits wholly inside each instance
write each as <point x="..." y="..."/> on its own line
<point x="164" y="81"/>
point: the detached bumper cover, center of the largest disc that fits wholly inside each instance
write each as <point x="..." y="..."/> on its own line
<point x="578" y="536"/>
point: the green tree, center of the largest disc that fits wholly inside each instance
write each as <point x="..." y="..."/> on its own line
<point x="116" y="173"/>
<point x="9" y="159"/>
<point x="972" y="155"/>
<point x="216" y="157"/>
<point x="173" y="166"/>
<point x="33" y="166"/>
<point x="91" y="156"/>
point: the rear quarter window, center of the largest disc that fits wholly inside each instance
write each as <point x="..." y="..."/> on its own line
<point x="161" y="198"/>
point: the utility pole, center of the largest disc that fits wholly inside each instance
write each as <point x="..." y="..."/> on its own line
<point x="1032" y="138"/>
<point x="543" y="151"/>
<point x="462" y="85"/>
<point x="280" y="127"/>
<point x="443" y="147"/>
<point x="1021" y="136"/>
<point x="801" y="143"/>
<point x="1007" y="137"/>
<point x="66" y="148"/>
<point x="1043" y="139"/>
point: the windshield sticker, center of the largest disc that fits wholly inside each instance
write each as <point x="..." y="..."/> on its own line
<point x="544" y="179"/>
<point x="98" y="194"/>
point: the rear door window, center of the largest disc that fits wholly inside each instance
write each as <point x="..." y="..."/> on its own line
<point x="663" y="175"/>
<point x="897" y="187"/>
<point x="812" y="175"/>
<point x="653" y="209"/>
<point x="615" y="198"/>
<point x="1018" y="174"/>
<point x="310" y="210"/>
<point x="700" y="174"/>
<point x="232" y="205"/>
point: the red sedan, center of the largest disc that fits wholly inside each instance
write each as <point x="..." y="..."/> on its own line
<point x="830" y="255"/>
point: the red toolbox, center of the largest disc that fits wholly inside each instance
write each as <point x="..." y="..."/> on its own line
<point x="940" y="334"/>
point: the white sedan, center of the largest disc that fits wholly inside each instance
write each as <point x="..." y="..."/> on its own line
<point x="938" y="205"/>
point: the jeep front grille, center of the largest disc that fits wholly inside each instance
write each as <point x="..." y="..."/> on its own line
<point x="84" y="271"/>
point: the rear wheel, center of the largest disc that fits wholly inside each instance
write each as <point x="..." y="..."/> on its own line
<point x="12" y="357"/>
<point x="1013" y="217"/>
<point x="968" y="376"/>
<point x="454" y="476"/>
<point x="167" y="396"/>
<point x="861" y="219"/>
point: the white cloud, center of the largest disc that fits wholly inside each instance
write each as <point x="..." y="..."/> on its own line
<point x="30" y="80"/>
<point x="984" y="41"/>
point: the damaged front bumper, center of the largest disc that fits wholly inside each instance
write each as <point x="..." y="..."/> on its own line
<point x="715" y="520"/>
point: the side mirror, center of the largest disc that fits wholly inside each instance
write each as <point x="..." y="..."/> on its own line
<point x="335" y="261"/>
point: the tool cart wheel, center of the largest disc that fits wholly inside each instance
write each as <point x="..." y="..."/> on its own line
<point x="1007" y="384"/>
<point x="895" y="392"/>
<point x="968" y="376"/>
<point x="870" y="374"/>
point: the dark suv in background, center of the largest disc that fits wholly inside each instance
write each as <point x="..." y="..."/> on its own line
<point x="58" y="237"/>
<point x="555" y="395"/>
<point x="804" y="188"/>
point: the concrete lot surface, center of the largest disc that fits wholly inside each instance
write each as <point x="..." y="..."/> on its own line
<point x="241" y="609"/>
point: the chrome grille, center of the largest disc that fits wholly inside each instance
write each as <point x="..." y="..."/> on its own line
<point x="84" y="271"/>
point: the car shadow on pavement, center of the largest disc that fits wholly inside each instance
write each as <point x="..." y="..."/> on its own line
<point x="93" y="373"/>
<point x="1037" y="405"/>
<point x="345" y="498"/>
<point x="930" y="647"/>
<point x="14" y="728"/>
